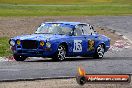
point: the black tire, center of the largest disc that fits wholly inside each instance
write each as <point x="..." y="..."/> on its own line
<point x="19" y="57"/>
<point x="60" y="54"/>
<point x="99" y="53"/>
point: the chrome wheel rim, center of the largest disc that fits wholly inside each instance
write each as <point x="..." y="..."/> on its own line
<point x="61" y="53"/>
<point x="100" y="51"/>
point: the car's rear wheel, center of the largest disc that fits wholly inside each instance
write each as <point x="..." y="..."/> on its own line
<point x="99" y="53"/>
<point x="60" y="54"/>
<point x="19" y="57"/>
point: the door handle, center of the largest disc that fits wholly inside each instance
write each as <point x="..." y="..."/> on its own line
<point x="96" y="36"/>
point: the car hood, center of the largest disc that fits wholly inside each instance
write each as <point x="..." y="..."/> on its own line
<point x="37" y="37"/>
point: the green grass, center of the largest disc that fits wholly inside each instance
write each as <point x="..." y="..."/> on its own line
<point x="62" y="1"/>
<point x="4" y="47"/>
<point x="64" y="10"/>
<point x="59" y="8"/>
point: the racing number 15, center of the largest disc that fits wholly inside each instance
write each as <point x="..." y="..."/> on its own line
<point x="77" y="46"/>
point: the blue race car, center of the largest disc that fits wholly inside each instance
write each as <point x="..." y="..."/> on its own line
<point x="58" y="40"/>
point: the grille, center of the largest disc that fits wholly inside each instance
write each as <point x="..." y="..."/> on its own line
<point x="29" y="44"/>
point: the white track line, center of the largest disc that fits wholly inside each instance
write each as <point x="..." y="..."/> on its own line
<point x="127" y="39"/>
<point x="124" y="37"/>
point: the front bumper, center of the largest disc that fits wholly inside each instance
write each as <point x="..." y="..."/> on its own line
<point x="34" y="52"/>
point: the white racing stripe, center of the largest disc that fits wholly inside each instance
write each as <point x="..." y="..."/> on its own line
<point x="127" y="39"/>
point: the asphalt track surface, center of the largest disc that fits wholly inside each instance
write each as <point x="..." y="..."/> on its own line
<point x="114" y="62"/>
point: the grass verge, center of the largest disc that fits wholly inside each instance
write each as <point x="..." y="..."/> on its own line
<point x="65" y="10"/>
<point x="63" y="1"/>
<point x="4" y="47"/>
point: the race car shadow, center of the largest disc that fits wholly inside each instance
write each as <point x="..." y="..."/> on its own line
<point x="66" y="60"/>
<point x="117" y="58"/>
<point x="80" y="59"/>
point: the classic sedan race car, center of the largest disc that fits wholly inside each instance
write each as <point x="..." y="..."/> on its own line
<point x="58" y="40"/>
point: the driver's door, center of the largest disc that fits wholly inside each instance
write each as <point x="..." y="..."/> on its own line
<point x="78" y="42"/>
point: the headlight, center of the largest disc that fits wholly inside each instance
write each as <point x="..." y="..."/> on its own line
<point x="18" y="42"/>
<point x="12" y="43"/>
<point x="48" y="45"/>
<point x="42" y="43"/>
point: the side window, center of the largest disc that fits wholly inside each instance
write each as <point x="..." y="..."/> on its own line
<point x="88" y="29"/>
<point x="78" y="31"/>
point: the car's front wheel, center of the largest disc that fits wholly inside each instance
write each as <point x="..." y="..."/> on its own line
<point x="19" y="57"/>
<point x="99" y="53"/>
<point x="60" y="54"/>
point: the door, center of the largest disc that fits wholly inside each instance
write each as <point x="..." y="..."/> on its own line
<point x="78" y="42"/>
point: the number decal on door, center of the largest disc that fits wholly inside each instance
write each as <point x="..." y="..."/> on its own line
<point x="77" y="46"/>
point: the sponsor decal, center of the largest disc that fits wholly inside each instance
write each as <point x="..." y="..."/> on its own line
<point x="77" y="46"/>
<point x="42" y="43"/>
<point x="91" y="45"/>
